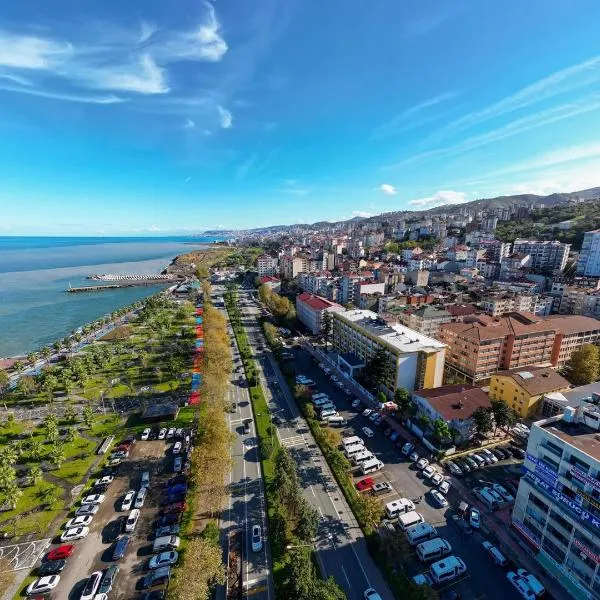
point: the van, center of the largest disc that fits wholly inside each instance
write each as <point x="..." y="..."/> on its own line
<point x="336" y="421"/>
<point x="370" y="466"/>
<point x="318" y="396"/>
<point x="496" y="555"/>
<point x="321" y="401"/>
<point x="351" y="440"/>
<point x="146" y="479"/>
<point x="353" y="449"/>
<point x="325" y="407"/>
<point x="447" y="569"/>
<point x="329" y="413"/>
<point x="532" y="582"/>
<point x="409" y="519"/>
<point x="495" y="495"/>
<point x="420" y="533"/>
<point x="165" y="542"/>
<point x="361" y="457"/>
<point x="398" y="507"/>
<point x="433" y="549"/>
<point x="487" y="499"/>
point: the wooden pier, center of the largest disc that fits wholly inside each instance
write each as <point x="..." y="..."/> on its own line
<point x="114" y="286"/>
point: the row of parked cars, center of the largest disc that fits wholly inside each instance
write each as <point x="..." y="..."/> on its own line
<point x="482" y="458"/>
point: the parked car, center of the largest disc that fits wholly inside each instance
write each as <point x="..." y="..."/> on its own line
<point x="176" y="480"/>
<point x="177" y="448"/>
<point x="156" y="577"/>
<point x="163" y="559"/>
<point x="429" y="471"/>
<point x="121" y="547"/>
<point x="444" y="487"/>
<point x="132" y="520"/>
<point x="171" y="433"/>
<point x="177" y="464"/>
<point x="453" y="468"/>
<point x="113" y="530"/>
<point x="82" y="521"/>
<point x="128" y="500"/>
<point x="52" y="567"/>
<point x="414" y="457"/>
<point x="382" y="487"/>
<point x="256" y="538"/>
<point x="462" y="524"/>
<point x="106" y="480"/>
<point x="140" y="497"/>
<point x="521" y="585"/>
<point x="407" y="448"/>
<point x="422" y="463"/>
<point x="356" y="403"/>
<point x="93" y="499"/>
<point x="504" y="493"/>
<point x="474" y="518"/>
<point x="43" y="585"/>
<point x="367" y="412"/>
<point x="61" y="552"/>
<point x="365" y="484"/>
<point x="463" y="465"/>
<point x="177" y="507"/>
<point x="87" y="509"/>
<point x="166" y="520"/>
<point x="76" y="533"/>
<point x="178" y="488"/>
<point x="172" y="499"/>
<point x="437" y="478"/>
<point x="162" y="434"/>
<point x="439" y="498"/>
<point x="153" y="595"/>
<point x="167" y="530"/>
<point x="108" y="580"/>
<point x="91" y="586"/>
<point x="368" y="432"/>
<point x="146" y="434"/>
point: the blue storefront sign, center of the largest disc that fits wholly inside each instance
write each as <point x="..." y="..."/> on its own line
<point x="548" y="474"/>
<point x="585" y="478"/>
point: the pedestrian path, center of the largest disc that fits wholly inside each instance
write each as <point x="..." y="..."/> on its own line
<point x="198" y="356"/>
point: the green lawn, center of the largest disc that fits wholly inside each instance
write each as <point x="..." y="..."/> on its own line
<point x="75" y="470"/>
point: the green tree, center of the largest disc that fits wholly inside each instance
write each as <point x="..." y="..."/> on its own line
<point x="49" y="385"/>
<point x="327" y="328"/>
<point x="4" y="382"/>
<point x="501" y="413"/>
<point x="32" y="357"/>
<point x="424" y="421"/>
<point x="403" y="400"/>
<point x="18" y="366"/>
<point x="36" y="449"/>
<point x="378" y="368"/>
<point x="307" y="523"/>
<point x="482" y="420"/>
<point x="8" y="456"/>
<point x="26" y="385"/>
<point x="71" y="435"/>
<point x="35" y="474"/>
<point x="88" y="416"/>
<point x="70" y="415"/>
<point x="12" y="493"/>
<point x="51" y="426"/>
<point x="57" y="455"/>
<point x="584" y="365"/>
<point x="441" y="430"/>
<point x="8" y="476"/>
<point x="46" y="352"/>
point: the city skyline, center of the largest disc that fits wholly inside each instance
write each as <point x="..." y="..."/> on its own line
<point x="143" y="118"/>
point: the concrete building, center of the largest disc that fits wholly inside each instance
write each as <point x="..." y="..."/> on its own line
<point x="310" y="309"/>
<point x="271" y="282"/>
<point x="426" y="320"/>
<point x="579" y="301"/>
<point x="416" y="361"/>
<point x="588" y="262"/>
<point x="267" y="265"/>
<point x="544" y="254"/>
<point x="454" y="404"/>
<point x="510" y="302"/>
<point x="292" y="266"/>
<point x="523" y="390"/>
<point x="557" y="507"/>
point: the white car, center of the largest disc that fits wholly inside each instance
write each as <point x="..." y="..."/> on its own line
<point x="368" y="432"/>
<point x="141" y="497"/>
<point x="162" y="434"/>
<point x="82" y="521"/>
<point x="429" y="471"/>
<point x="437" y="478"/>
<point x="474" y="518"/>
<point x="371" y="594"/>
<point x="414" y="456"/>
<point x="422" y="463"/>
<point x="75" y="533"/>
<point x="177" y="448"/>
<point x="146" y="434"/>
<point x="87" y="509"/>
<point x="373" y="416"/>
<point x="93" y="499"/>
<point x="106" y="480"/>
<point x="444" y="487"/>
<point x="42" y="585"/>
<point x="521" y="585"/>
<point x="171" y="433"/>
<point x="355" y="403"/>
<point x="132" y="520"/>
<point x="256" y="538"/>
<point x="91" y="586"/>
<point x="439" y="498"/>
<point x="128" y="500"/>
<point x="367" y="412"/>
<point x="506" y="495"/>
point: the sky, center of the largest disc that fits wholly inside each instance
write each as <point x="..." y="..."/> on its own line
<point x="153" y="117"/>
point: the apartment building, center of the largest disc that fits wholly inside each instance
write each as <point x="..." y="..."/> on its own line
<point x="557" y="507"/>
<point x="579" y="301"/>
<point x="505" y="303"/>
<point x="523" y="390"/>
<point x="426" y="320"/>
<point x="310" y="310"/>
<point x="544" y="254"/>
<point x="416" y="361"/>
<point x="267" y="265"/>
<point x="588" y="262"/>
<point x="483" y="345"/>
<point x="292" y="266"/>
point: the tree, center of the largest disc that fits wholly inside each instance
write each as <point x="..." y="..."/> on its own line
<point x="482" y="420"/>
<point x="36" y="449"/>
<point x="46" y="352"/>
<point x="71" y="435"/>
<point x="502" y="414"/>
<point x="8" y="476"/>
<point x="8" y="456"/>
<point x="70" y="415"/>
<point x="51" y="426"/>
<point x="326" y="327"/>
<point x="307" y="523"/>
<point x="378" y="368"/>
<point x="88" y="416"/>
<point x="26" y="385"/>
<point x="441" y="430"/>
<point x="18" y="366"/>
<point x="424" y="421"/>
<point x="32" y="357"/>
<point x="35" y="474"/>
<point x="402" y="399"/>
<point x="370" y="509"/>
<point x="584" y="365"/>
<point x="4" y="382"/>
<point x="300" y="580"/>
<point x="12" y="493"/>
<point x="49" y="385"/>
<point x="57" y="455"/>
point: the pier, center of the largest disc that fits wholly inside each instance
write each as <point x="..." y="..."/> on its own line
<point x="158" y="277"/>
<point x="113" y="286"/>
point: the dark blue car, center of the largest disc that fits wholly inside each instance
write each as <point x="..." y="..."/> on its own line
<point x="121" y="547"/>
<point x="172" y="499"/>
<point x="180" y="488"/>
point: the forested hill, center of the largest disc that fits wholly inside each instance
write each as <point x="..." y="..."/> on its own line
<point x="544" y="224"/>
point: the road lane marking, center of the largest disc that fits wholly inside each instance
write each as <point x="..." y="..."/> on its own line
<point x="346" y="576"/>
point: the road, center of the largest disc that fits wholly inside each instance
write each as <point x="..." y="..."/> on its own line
<point x="341" y="549"/>
<point x="246" y="505"/>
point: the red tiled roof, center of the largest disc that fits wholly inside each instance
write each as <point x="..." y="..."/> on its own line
<point x="315" y="302"/>
<point x="455" y="401"/>
<point x="459" y="310"/>
<point x="268" y="278"/>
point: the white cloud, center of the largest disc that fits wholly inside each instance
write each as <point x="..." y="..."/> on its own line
<point x="153" y="228"/>
<point x="361" y="213"/>
<point x="31" y="52"/>
<point x="147" y="30"/>
<point x="440" y="198"/>
<point x="566" y="80"/>
<point x="225" y="117"/>
<point x="245" y="167"/>
<point x="110" y="99"/>
<point x="189" y="124"/>
<point x="387" y="189"/>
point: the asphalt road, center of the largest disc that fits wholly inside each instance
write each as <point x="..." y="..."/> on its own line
<point x="485" y="579"/>
<point x="246" y="505"/>
<point x="341" y="547"/>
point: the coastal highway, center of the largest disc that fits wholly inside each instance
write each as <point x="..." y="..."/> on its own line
<point x="246" y="504"/>
<point x="341" y="547"/>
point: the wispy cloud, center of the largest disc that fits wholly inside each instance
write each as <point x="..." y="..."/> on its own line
<point x="32" y="52"/>
<point x="245" y="167"/>
<point x="109" y="99"/>
<point x="15" y="79"/>
<point x="147" y="30"/>
<point x="405" y="121"/>
<point x="545" y="117"/>
<point x="440" y="198"/>
<point x="225" y="117"/>
<point x="387" y="189"/>
<point x="361" y="213"/>
<point x="189" y="124"/>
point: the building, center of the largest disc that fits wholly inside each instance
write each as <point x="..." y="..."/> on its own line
<point x="557" y="507"/>
<point x="416" y="361"/>
<point x="362" y="289"/>
<point x="483" y="345"/>
<point x="426" y="320"/>
<point x="544" y="254"/>
<point x="512" y="302"/>
<point x="267" y="265"/>
<point x="310" y="309"/>
<point x="523" y="390"/>
<point x="454" y="404"/>
<point x="271" y="282"/>
<point x="588" y="262"/>
<point x="579" y="301"/>
<point x="292" y="266"/>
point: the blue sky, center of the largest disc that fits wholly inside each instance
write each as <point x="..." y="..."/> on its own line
<point x="166" y="117"/>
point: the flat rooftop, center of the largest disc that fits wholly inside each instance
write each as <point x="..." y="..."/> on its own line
<point x="396" y="335"/>
<point x="578" y="435"/>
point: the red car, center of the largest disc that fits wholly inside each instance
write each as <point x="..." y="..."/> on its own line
<point x="61" y="552"/>
<point x="177" y="507"/>
<point x="365" y="484"/>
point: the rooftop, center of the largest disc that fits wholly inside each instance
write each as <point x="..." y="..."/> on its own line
<point x="455" y="401"/>
<point x="578" y="435"/>
<point x="316" y="302"/>
<point x="398" y="336"/>
<point x="536" y="381"/>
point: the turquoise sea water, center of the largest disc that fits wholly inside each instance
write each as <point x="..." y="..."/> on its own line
<point x="36" y="310"/>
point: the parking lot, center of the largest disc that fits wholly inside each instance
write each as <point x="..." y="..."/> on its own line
<point x="95" y="552"/>
<point x="483" y="578"/>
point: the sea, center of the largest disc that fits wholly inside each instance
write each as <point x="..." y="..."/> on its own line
<point x="35" y="272"/>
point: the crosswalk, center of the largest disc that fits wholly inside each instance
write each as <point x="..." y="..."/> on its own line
<point x="293" y="440"/>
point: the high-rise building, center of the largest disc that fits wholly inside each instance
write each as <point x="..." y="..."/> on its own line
<point x="267" y="265"/>
<point x="557" y="507"/>
<point x="588" y="262"/>
<point x="544" y="254"/>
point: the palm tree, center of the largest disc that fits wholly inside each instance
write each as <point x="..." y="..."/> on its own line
<point x="57" y="455"/>
<point x="35" y="474"/>
<point x="12" y="493"/>
<point x="32" y="357"/>
<point x="71" y="435"/>
<point x="36" y="449"/>
<point x="18" y="366"/>
<point x="46" y="352"/>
